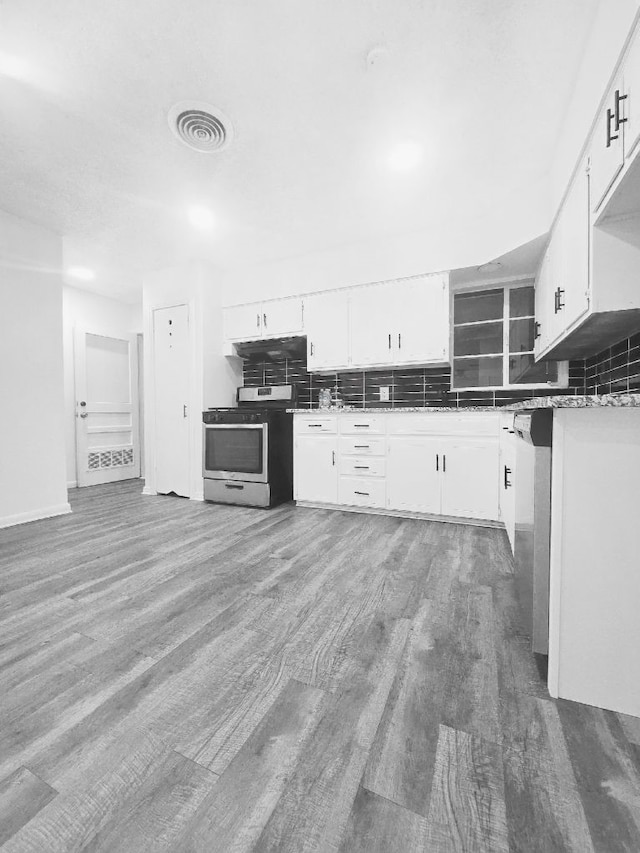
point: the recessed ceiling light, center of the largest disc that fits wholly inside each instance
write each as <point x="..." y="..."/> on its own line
<point x="201" y="218"/>
<point x="81" y="273"/>
<point x="405" y="155"/>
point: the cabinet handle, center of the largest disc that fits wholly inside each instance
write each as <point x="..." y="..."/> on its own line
<point x="536" y="331"/>
<point x="315" y="426"/>
<point x="257" y="321"/>
<point x="264" y="320"/>
<point x="361" y="493"/>
<point x="610" y="136"/>
<point x="507" y="481"/>
<point x="559" y="304"/>
<point x="399" y="341"/>
<point x="444" y="463"/>
<point x="184" y="411"/>
<point x="362" y="426"/>
<point x="311" y="351"/>
<point x="437" y="463"/>
<point x="619" y="120"/>
<point x="333" y="457"/>
<point x="233" y="486"/>
<point x="361" y="467"/>
<point x="361" y="446"/>
<point x="389" y="340"/>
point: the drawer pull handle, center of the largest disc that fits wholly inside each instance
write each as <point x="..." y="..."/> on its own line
<point x="361" y="467"/>
<point x="366" y="494"/>
<point x="233" y="486"/>
<point x="362" y="446"/>
<point x="315" y="425"/>
<point x="362" y="426"/>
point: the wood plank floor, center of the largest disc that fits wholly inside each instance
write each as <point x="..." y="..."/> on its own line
<point x="180" y="676"/>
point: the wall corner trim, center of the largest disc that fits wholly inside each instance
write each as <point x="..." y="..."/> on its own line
<point x="35" y="515"/>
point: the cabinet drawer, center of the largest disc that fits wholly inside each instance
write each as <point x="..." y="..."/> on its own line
<point x="358" y="491"/>
<point x="356" y="466"/>
<point x="443" y="423"/>
<point x="362" y="425"/>
<point x="363" y="446"/>
<point x="304" y="425"/>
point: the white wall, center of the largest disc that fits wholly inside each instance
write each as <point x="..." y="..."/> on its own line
<point x="97" y="314"/>
<point x="611" y="26"/>
<point x="473" y="242"/>
<point x="213" y="378"/>
<point x="32" y="446"/>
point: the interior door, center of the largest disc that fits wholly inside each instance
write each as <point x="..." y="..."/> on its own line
<point x="171" y="383"/>
<point x="106" y="383"/>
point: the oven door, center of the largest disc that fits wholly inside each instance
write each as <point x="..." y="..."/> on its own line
<point x="235" y="452"/>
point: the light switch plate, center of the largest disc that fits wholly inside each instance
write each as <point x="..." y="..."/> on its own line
<point x="384" y="393"/>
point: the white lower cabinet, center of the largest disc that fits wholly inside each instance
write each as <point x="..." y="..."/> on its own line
<point x="315" y="468"/>
<point x="469" y="478"/>
<point x="507" y="478"/>
<point x="449" y="467"/>
<point x="413" y="482"/>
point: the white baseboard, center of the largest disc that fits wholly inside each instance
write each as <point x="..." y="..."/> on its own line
<point x="72" y="484"/>
<point x="197" y="497"/>
<point x="148" y="491"/>
<point x="397" y="513"/>
<point x="35" y="515"/>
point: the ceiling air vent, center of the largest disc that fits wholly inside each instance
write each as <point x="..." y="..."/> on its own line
<point x="200" y="126"/>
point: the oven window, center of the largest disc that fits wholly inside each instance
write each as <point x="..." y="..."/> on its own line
<point x="237" y="450"/>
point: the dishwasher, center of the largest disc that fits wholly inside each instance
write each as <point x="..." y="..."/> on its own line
<point x="534" y="429"/>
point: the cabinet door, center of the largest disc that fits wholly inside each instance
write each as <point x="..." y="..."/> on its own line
<point x="372" y="326"/>
<point x="315" y="468"/>
<point x="632" y="104"/>
<point x="507" y="479"/>
<point x="546" y="321"/>
<point x="243" y="322"/>
<point x="326" y="324"/>
<point x="413" y="474"/>
<point x="470" y="479"/>
<point x="421" y="320"/>
<point x="607" y="149"/>
<point x="573" y="254"/>
<point x="282" y="317"/>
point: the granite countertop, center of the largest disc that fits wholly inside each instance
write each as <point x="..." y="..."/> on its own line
<point x="560" y="401"/>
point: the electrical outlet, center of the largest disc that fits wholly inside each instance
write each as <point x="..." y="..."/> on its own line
<point x="384" y="393"/>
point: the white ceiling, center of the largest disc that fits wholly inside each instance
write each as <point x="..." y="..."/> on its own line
<point x="86" y="151"/>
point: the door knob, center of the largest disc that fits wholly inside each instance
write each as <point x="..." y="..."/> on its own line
<point x="83" y="403"/>
<point x="84" y="414"/>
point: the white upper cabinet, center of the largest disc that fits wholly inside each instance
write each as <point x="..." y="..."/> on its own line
<point x="607" y="148"/>
<point x="401" y="323"/>
<point x="562" y="286"/>
<point x="243" y="322"/>
<point x="326" y="325"/>
<point x="632" y="90"/>
<point x="282" y="317"/>
<point x="270" y="319"/>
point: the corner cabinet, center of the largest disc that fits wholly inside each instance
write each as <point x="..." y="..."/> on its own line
<point x="405" y="322"/>
<point x="271" y="319"/>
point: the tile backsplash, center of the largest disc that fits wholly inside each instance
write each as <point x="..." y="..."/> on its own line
<point x="615" y="369"/>
<point x="420" y="386"/>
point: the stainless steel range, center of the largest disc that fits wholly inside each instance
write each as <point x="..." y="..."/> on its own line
<point x="248" y="450"/>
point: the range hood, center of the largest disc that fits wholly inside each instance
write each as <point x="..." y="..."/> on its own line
<point x="276" y="349"/>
